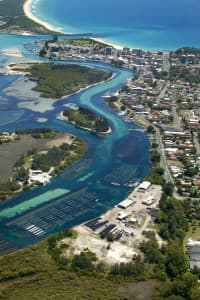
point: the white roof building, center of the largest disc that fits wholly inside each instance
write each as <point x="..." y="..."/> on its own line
<point x="125" y="204"/>
<point x="144" y="185"/>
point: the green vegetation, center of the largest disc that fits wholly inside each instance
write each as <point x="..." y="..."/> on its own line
<point x="160" y="74"/>
<point x="188" y="50"/>
<point x="172" y="219"/>
<point x="189" y="75"/>
<point x="189" y="172"/>
<point x="52" y="273"/>
<point x="58" y="157"/>
<point x="39" y="133"/>
<point x="8" y="188"/>
<point x="112" y="102"/>
<point x="56" y="81"/>
<point x="156" y="176"/>
<point x="169" y="263"/>
<point x="43" y="159"/>
<point x="43" y="271"/>
<point x="85" y="42"/>
<point x="134" y="269"/>
<point x="151" y="130"/>
<point x="14" y="20"/>
<point x="84" y="118"/>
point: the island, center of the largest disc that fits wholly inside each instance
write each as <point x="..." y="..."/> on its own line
<point x="59" y="80"/>
<point x="85" y="119"/>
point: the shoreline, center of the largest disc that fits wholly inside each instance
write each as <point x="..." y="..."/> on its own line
<point x="56" y="141"/>
<point x="63" y="118"/>
<point x="10" y="71"/>
<point x="29" y="15"/>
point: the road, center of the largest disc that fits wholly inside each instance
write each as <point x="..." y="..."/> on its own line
<point x="196" y="143"/>
<point x="166" y="68"/>
<point x="176" y="117"/>
<point x="163" y="161"/>
<point x="166" y="61"/>
<point x="162" y="93"/>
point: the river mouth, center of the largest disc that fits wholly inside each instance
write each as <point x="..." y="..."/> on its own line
<point x="89" y="187"/>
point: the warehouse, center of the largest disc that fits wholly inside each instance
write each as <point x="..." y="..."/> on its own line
<point x="144" y="186"/>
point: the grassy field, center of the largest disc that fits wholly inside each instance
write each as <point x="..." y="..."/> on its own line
<point x="12" y="14"/>
<point x="185" y="113"/>
<point x="194" y="232"/>
<point x="56" y="81"/>
<point x="85" y="42"/>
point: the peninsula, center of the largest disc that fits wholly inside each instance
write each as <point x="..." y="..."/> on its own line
<point x="32" y="157"/>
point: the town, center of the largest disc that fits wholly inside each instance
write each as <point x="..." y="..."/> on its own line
<point x="163" y="97"/>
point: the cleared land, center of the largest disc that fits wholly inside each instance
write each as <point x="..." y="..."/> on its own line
<point x="139" y="291"/>
<point x="109" y="253"/>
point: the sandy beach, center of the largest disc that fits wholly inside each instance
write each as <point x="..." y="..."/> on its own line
<point x="61" y="139"/>
<point x="12" y="52"/>
<point x="63" y="118"/>
<point x="101" y="40"/>
<point x="28" y="13"/>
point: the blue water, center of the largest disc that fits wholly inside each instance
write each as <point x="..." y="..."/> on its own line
<point x="86" y="189"/>
<point x="147" y="24"/>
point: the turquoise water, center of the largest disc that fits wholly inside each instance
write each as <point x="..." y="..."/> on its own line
<point x="151" y="24"/>
<point x="86" y="189"/>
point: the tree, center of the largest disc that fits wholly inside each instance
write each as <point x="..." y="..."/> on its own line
<point x="101" y="125"/>
<point x="176" y="262"/>
<point x="172" y="219"/>
<point x="195" y="293"/>
<point x="42" y="52"/>
<point x="159" y="171"/>
<point x="152" y="252"/>
<point x="168" y="189"/>
<point x="150" y="129"/>
<point x="155" y="156"/>
<point x="84" y="261"/>
<point x="21" y="174"/>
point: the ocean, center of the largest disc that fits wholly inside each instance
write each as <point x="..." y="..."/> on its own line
<point x="144" y="24"/>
